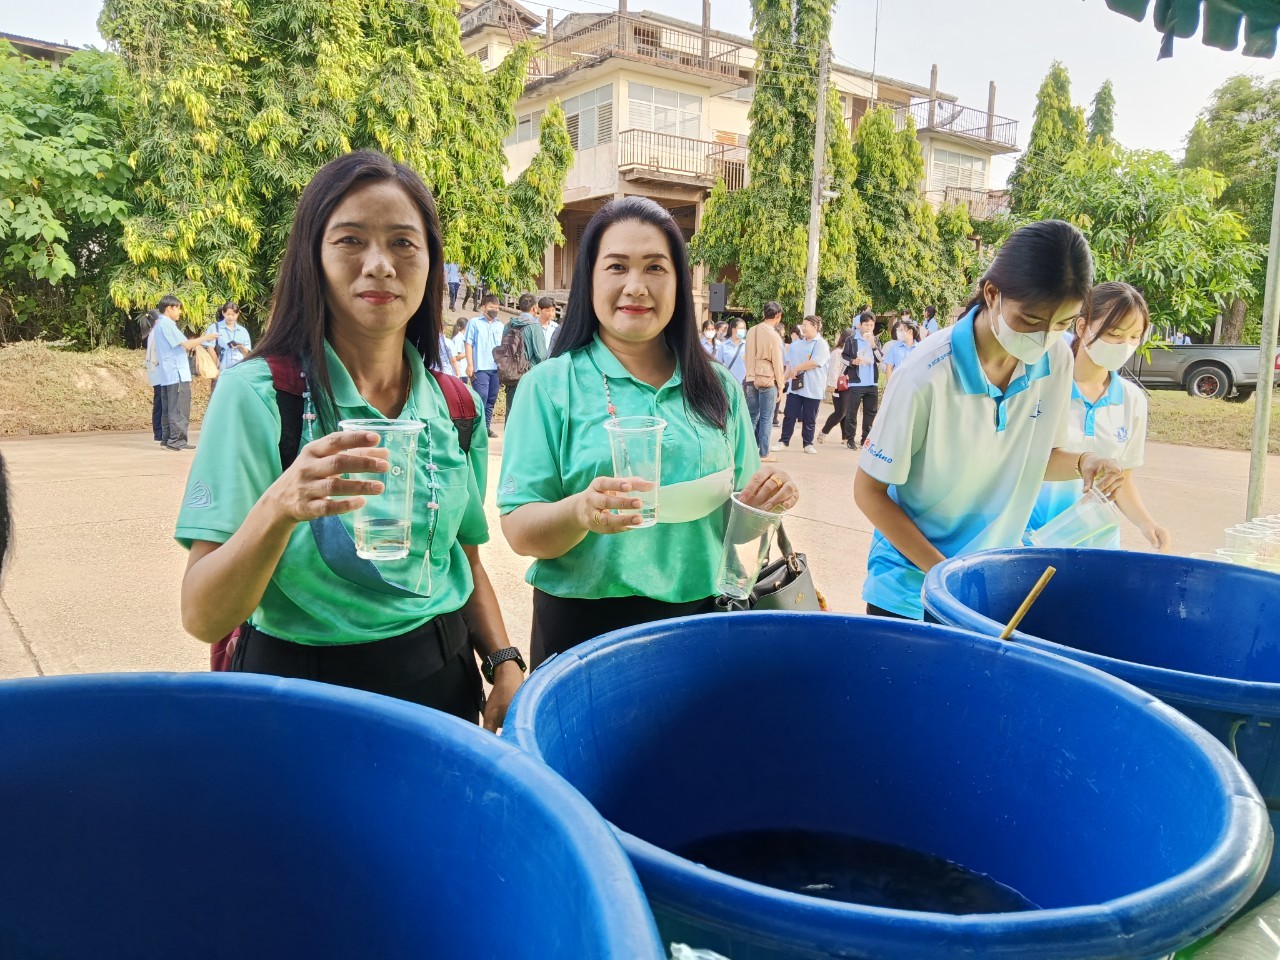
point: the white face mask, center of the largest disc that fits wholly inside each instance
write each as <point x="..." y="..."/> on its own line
<point x="1109" y="356"/>
<point x="1027" y="347"/>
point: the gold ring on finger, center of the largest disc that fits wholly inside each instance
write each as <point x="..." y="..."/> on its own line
<point x="598" y="518"/>
<point x="779" y="481"/>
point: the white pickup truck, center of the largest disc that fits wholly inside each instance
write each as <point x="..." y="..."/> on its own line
<point x="1203" y="370"/>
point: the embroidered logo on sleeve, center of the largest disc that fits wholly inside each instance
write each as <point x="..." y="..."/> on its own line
<point x="508" y="484"/>
<point x="1122" y="435"/>
<point x="199" y="496"/>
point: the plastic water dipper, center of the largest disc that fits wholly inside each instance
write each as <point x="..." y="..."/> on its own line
<point x="1021" y="612"/>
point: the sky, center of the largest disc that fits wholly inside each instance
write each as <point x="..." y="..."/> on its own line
<point x="973" y="42"/>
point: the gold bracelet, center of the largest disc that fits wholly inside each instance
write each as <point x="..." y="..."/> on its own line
<point x="1079" y="461"/>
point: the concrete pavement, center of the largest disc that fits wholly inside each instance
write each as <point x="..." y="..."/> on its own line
<point x="96" y="574"/>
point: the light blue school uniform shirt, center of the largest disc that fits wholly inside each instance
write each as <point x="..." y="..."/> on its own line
<point x="734" y="357"/>
<point x="897" y="352"/>
<point x="963" y="460"/>
<point x="484" y="334"/>
<point x="175" y="365"/>
<point x="452" y="273"/>
<point x="152" y="362"/>
<point x="228" y="358"/>
<point x="863" y="375"/>
<point x="931" y="325"/>
<point x="1114" y="426"/>
<point x="815" y="380"/>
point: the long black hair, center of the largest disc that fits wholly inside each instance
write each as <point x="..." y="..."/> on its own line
<point x="1042" y="264"/>
<point x="299" y="317"/>
<point x="1114" y="302"/>
<point x="703" y="389"/>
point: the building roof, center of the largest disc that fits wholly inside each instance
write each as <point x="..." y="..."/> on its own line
<point x="18" y="40"/>
<point x="912" y="88"/>
<point x="1222" y="19"/>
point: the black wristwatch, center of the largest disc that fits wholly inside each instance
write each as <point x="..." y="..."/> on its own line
<point x="501" y="656"/>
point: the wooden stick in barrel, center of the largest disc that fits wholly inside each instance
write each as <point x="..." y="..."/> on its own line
<point x="1016" y="619"/>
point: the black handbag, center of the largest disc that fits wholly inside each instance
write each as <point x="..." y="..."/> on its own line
<point x="784" y="584"/>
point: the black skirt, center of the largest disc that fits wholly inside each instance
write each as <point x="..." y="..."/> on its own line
<point x="560" y="623"/>
<point x="432" y="665"/>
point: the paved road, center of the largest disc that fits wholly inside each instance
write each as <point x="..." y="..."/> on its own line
<point x="96" y="575"/>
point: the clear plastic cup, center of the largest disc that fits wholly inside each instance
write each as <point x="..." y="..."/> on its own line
<point x="1244" y="539"/>
<point x="1242" y="557"/>
<point x="384" y="525"/>
<point x="1215" y="557"/>
<point x="637" y="452"/>
<point x="1269" y="564"/>
<point x="1089" y="516"/>
<point x="746" y="548"/>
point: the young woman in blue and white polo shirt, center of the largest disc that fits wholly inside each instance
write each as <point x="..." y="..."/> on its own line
<point x="1108" y="414"/>
<point x="973" y="425"/>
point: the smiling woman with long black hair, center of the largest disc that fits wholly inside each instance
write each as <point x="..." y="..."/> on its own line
<point x="629" y="346"/>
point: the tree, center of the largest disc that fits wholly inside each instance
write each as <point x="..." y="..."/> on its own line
<point x="762" y="229"/>
<point x="241" y="101"/>
<point x="1157" y="226"/>
<point x="1102" y="118"/>
<point x="1058" y="130"/>
<point x="957" y="258"/>
<point x="1238" y="135"/>
<point x="63" y="177"/>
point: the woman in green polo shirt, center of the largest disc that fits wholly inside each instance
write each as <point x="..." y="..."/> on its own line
<point x="628" y="346"/>
<point x="358" y="301"/>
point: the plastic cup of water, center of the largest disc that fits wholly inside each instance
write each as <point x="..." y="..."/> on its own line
<point x="746" y="548"/>
<point x="1087" y="517"/>
<point x="383" y="526"/>
<point x="1242" y="557"/>
<point x="1245" y="539"/>
<point x="637" y="454"/>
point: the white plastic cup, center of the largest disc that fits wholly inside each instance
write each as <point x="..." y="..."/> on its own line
<point x="384" y="525"/>
<point x="1089" y="516"/>
<point x="746" y="548"/>
<point x="1244" y="539"/>
<point x="1241" y="557"/>
<point x="1215" y="557"/>
<point x="636" y="443"/>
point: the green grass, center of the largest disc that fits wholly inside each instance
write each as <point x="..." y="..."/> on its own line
<point x="1178" y="418"/>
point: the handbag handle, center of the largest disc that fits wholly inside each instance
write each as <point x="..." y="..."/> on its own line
<point x="788" y="552"/>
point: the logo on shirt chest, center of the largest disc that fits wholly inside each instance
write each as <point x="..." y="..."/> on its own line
<point x="1122" y="435"/>
<point x="1036" y="414"/>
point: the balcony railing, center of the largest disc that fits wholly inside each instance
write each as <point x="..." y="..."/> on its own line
<point x="643" y="154"/>
<point x="617" y="35"/>
<point x="942" y="116"/>
<point x="982" y="204"/>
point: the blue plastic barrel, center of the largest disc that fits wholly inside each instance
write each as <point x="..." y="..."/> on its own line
<point x="169" y="816"/>
<point x="1130" y="826"/>
<point x="1202" y="636"/>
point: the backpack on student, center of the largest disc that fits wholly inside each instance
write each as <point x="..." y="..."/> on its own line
<point x="510" y="356"/>
<point x="286" y="377"/>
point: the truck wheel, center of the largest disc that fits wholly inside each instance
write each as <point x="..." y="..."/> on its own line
<point x="1241" y="395"/>
<point x="1209" y="382"/>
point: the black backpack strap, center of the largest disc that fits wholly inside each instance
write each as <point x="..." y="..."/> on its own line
<point x="290" y="384"/>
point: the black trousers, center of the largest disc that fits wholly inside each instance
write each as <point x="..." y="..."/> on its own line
<point x="432" y="666"/>
<point x="159" y="428"/>
<point x="868" y="398"/>
<point x="510" y="390"/>
<point x="841" y="403"/>
<point x="561" y="623"/>
<point x="176" y="398"/>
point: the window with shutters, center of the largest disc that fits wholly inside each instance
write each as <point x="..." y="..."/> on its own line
<point x="952" y="169"/>
<point x="483" y="54"/>
<point x="528" y="127"/>
<point x="589" y="117"/>
<point x="664" y="111"/>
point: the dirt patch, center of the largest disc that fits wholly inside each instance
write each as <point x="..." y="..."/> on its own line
<point x="44" y="389"/>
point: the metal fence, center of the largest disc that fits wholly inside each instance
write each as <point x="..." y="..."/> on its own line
<point x="946" y="117"/>
<point x="672" y="156"/>
<point x="612" y="34"/>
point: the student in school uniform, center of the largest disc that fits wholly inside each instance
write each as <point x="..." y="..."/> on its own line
<point x="973" y="425"/>
<point x="930" y="325"/>
<point x="1108" y="414"/>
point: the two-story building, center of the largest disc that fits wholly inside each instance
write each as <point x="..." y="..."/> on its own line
<point x="659" y="107"/>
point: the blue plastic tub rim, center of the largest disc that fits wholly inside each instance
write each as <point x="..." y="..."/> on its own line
<point x="1198" y="689"/>
<point x="583" y="825"/>
<point x="825" y="924"/>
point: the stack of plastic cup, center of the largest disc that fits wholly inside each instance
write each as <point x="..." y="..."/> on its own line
<point x="1254" y="544"/>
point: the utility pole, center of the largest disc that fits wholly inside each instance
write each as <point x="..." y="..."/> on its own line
<point x="1266" y="365"/>
<point x="819" y="181"/>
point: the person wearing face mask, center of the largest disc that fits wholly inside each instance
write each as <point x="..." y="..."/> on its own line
<point x="629" y="347"/>
<point x="1108" y="414"/>
<point x="905" y="337"/>
<point x="977" y="419"/>
<point x="709" y="341"/>
<point x="484" y="333"/>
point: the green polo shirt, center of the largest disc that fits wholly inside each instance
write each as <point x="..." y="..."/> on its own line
<point x="239" y="458"/>
<point x="556" y="444"/>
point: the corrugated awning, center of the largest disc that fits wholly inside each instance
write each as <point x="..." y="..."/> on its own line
<point x="1227" y="24"/>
